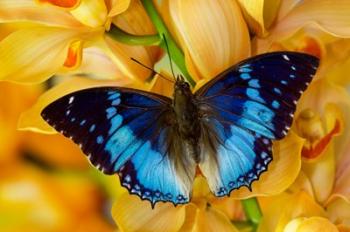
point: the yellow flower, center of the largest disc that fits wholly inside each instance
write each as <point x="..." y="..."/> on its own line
<point x="213" y="35"/>
<point x="34" y="200"/>
<point x="296" y="212"/>
<point x="52" y="34"/>
<point x="213" y="39"/>
<point x="273" y="21"/>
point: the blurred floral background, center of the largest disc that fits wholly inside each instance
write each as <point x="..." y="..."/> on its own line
<point x="49" y="48"/>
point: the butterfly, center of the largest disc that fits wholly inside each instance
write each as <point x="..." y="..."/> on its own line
<point x="156" y="144"/>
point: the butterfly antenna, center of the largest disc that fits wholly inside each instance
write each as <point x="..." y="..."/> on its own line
<point x="171" y="63"/>
<point x="138" y="62"/>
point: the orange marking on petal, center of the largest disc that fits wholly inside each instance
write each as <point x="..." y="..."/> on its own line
<point x="315" y="151"/>
<point x="74" y="54"/>
<point x="62" y="3"/>
<point x="311" y="46"/>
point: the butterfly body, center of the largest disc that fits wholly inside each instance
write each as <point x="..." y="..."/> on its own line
<point x="155" y="144"/>
<point x="187" y="118"/>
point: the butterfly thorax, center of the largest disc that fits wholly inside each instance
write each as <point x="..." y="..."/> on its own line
<point x="186" y="113"/>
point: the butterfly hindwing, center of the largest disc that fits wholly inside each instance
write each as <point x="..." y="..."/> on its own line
<point x="244" y="109"/>
<point x="124" y="131"/>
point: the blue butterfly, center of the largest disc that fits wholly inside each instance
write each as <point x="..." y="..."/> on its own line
<point x="155" y="143"/>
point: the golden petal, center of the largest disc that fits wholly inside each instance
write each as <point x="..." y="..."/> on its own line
<point x="91" y="13"/>
<point x="342" y="180"/>
<point x="119" y="7"/>
<point x="324" y="14"/>
<point x="132" y="214"/>
<point x="260" y="14"/>
<point x="338" y="209"/>
<point x="303" y="224"/>
<point x="28" y="10"/>
<point x="134" y="21"/>
<point x="321" y="93"/>
<point x="34" y="55"/>
<point x="95" y="64"/>
<point x="321" y="174"/>
<point x="279" y="210"/>
<point x="61" y="3"/>
<point x="214" y="33"/>
<point x="212" y="220"/>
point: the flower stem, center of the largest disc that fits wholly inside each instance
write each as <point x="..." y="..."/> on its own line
<point x="126" y="38"/>
<point x="252" y="210"/>
<point x="243" y="226"/>
<point x="174" y="51"/>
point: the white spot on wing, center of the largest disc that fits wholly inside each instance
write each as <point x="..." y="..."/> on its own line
<point x="285" y="57"/>
<point x="71" y="99"/>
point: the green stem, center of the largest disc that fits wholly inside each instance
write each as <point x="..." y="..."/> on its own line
<point x="243" y="226"/>
<point x="174" y="51"/>
<point x="252" y="210"/>
<point x="126" y="38"/>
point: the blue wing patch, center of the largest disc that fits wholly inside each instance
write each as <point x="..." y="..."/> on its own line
<point x="244" y="109"/>
<point x="124" y="131"/>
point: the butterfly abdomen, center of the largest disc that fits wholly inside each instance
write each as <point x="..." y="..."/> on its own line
<point x="187" y="118"/>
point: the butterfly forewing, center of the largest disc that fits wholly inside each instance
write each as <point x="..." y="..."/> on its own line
<point x="125" y="131"/>
<point x="244" y="109"/>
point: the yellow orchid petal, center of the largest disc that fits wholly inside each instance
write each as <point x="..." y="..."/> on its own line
<point x="95" y="64"/>
<point x="302" y="183"/>
<point x="260" y="14"/>
<point x="319" y="136"/>
<point x="330" y="17"/>
<point x="58" y="150"/>
<point x="31" y="119"/>
<point x="119" y="7"/>
<point x="279" y="210"/>
<point x="338" y="209"/>
<point x="310" y="41"/>
<point x="121" y="53"/>
<point x="321" y="174"/>
<point x="34" y="200"/>
<point x="321" y="93"/>
<point x="230" y="207"/>
<point x="91" y="13"/>
<point x="34" y="55"/>
<point x="343" y="228"/>
<point x="282" y="171"/>
<point x="133" y="214"/>
<point x="310" y="224"/>
<point x="342" y="180"/>
<point x="213" y="32"/>
<point x="74" y="55"/>
<point x="29" y="10"/>
<point x="212" y="220"/>
<point x="61" y="3"/>
<point x="16" y="99"/>
<point x="162" y="86"/>
<point x="338" y="62"/>
<point x="190" y="219"/>
<point x="318" y="151"/>
<point x="134" y="21"/>
<point x="200" y="188"/>
<point x="285" y="7"/>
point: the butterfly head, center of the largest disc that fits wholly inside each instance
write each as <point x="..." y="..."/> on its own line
<point x="181" y="86"/>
